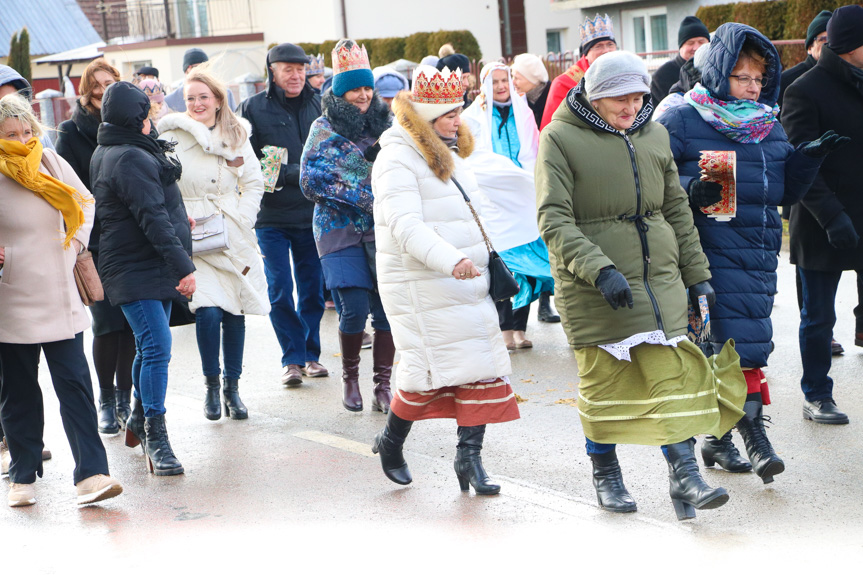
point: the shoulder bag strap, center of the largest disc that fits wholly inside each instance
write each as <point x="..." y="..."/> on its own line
<point x="488" y="245"/>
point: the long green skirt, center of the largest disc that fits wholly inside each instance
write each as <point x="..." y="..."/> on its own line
<point x="664" y="395"/>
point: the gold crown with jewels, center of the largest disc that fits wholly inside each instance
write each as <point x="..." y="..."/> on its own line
<point x="445" y="87"/>
<point x="315" y="65"/>
<point x="346" y="59"/>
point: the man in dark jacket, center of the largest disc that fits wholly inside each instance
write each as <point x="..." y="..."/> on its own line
<point x="281" y="116"/>
<point x="816" y="37"/>
<point x="691" y="35"/>
<point x="825" y="226"/>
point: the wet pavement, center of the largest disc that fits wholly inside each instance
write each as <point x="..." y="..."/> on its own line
<point x="296" y="485"/>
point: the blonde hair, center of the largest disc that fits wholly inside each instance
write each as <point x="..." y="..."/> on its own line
<point x="16" y="106"/>
<point x="446" y="50"/>
<point x="226" y="121"/>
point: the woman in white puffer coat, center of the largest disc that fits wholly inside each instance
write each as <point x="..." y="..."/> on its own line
<point x="220" y="174"/>
<point x="432" y="268"/>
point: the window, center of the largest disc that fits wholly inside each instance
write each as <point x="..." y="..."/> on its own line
<point x="645" y="30"/>
<point x="553" y="41"/>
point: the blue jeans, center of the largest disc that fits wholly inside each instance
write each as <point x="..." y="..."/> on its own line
<point x="297" y="327"/>
<point x="232" y="335"/>
<point x="149" y="321"/>
<point x="817" y="318"/>
<point x="356" y="303"/>
<point x="600" y="448"/>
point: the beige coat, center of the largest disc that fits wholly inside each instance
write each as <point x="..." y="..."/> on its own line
<point x="208" y="184"/>
<point x="39" y="301"/>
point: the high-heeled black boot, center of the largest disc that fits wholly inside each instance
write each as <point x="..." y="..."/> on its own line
<point x="135" y="435"/>
<point x="688" y="489"/>
<point x="108" y="423"/>
<point x="764" y="460"/>
<point x="723" y="452"/>
<point x="388" y="444"/>
<point x="160" y="457"/>
<point x="124" y="409"/>
<point x="234" y="406"/>
<point x="212" y="403"/>
<point x="468" y="463"/>
<point x="611" y="493"/>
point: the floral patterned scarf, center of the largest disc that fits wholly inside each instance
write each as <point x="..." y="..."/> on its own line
<point x="743" y="121"/>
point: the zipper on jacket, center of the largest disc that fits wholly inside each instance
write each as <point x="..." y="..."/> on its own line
<point x="641" y="226"/>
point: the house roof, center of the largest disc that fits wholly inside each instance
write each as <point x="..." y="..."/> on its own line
<point x="54" y="26"/>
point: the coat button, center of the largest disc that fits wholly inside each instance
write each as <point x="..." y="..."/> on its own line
<point x="213" y="181"/>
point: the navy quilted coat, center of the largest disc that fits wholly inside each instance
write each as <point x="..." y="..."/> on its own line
<point x="743" y="252"/>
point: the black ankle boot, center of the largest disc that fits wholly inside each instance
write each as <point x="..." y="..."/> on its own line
<point x="212" y="403"/>
<point x="468" y="463"/>
<point x="160" y="456"/>
<point x="544" y="313"/>
<point x="688" y="489"/>
<point x="389" y="443"/>
<point x="611" y="493"/>
<point x="135" y="426"/>
<point x="764" y="460"/>
<point x="124" y="409"/>
<point x="234" y="406"/>
<point x="723" y="452"/>
<point x="108" y="423"/>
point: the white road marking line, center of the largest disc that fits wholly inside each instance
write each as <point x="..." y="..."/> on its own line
<point x="350" y="445"/>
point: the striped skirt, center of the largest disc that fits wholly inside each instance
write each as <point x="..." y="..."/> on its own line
<point x="488" y="401"/>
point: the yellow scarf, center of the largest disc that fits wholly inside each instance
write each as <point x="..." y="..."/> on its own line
<point x="21" y="162"/>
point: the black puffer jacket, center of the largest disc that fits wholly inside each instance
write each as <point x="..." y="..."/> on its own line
<point x="275" y="124"/>
<point x="146" y="243"/>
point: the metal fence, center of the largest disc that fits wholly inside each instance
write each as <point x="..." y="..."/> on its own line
<point x="141" y="20"/>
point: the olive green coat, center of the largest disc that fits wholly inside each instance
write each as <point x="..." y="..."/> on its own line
<point x="607" y="198"/>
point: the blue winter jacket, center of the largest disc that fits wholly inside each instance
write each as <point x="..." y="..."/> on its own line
<point x="743" y="252"/>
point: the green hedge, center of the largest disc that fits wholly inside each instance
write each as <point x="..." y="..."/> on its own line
<point x="414" y="47"/>
<point x="778" y="20"/>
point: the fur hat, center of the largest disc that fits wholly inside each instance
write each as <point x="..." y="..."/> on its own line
<point x="351" y="68"/>
<point x="616" y="74"/>
<point x="436" y="93"/>
<point x="531" y="67"/>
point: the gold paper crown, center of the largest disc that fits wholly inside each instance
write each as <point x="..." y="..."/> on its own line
<point x="346" y="59"/>
<point x="315" y="65"/>
<point x="437" y="90"/>
<point x="599" y="27"/>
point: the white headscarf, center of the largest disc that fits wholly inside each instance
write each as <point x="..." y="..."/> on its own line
<point x="506" y="192"/>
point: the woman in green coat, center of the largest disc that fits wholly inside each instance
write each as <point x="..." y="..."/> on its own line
<point x="623" y="252"/>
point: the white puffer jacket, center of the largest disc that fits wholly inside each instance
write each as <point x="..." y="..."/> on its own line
<point x="446" y="330"/>
<point x="207" y="183"/>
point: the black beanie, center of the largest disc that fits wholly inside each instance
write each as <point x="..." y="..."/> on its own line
<point x="845" y="29"/>
<point x="287" y="52"/>
<point x="817" y="26"/>
<point x="454" y="61"/>
<point x="194" y="56"/>
<point x="691" y="27"/>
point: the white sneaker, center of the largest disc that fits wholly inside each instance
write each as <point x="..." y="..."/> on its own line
<point x="98" y="488"/>
<point x="22" y="494"/>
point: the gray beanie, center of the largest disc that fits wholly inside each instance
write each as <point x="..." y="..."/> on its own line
<point x="616" y="74"/>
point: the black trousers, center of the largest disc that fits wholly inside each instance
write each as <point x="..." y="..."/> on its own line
<point x="23" y="414"/>
<point x="512" y="319"/>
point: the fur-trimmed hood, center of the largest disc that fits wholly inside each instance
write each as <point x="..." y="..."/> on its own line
<point x="209" y="140"/>
<point x="426" y="141"/>
<point x="347" y="121"/>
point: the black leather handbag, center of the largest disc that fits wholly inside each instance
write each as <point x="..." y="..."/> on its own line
<point x="502" y="284"/>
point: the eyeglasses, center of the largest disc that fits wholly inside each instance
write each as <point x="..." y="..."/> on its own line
<point x="821" y="39"/>
<point x="746" y="80"/>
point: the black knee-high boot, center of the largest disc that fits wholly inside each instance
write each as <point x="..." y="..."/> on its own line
<point x="388" y="444"/>
<point x="468" y="463"/>
<point x="688" y="489"/>
<point x="611" y="493"/>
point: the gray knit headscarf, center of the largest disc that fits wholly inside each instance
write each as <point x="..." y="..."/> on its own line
<point x="616" y="74"/>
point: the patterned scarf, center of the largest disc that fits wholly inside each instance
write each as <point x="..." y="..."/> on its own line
<point x="743" y="121"/>
<point x="21" y="162"/>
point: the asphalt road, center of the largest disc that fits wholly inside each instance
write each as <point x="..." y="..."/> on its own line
<point x="296" y="485"/>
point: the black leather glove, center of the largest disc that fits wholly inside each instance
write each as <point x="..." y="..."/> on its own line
<point x="825" y="144"/>
<point x="841" y="233"/>
<point x="702" y="289"/>
<point x="614" y="288"/>
<point x="372" y="152"/>
<point x="703" y="194"/>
